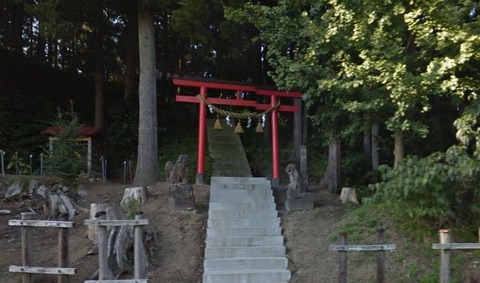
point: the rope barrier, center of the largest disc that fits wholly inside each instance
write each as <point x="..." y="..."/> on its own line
<point x="237" y="115"/>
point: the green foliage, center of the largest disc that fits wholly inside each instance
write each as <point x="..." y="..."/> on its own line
<point x="66" y="158"/>
<point x="122" y="130"/>
<point x="361" y="222"/>
<point x="22" y="121"/>
<point x="369" y="61"/>
<point x="259" y="153"/>
<point x="317" y="154"/>
<point x="18" y="165"/>
<point x="29" y="93"/>
<point x="468" y="129"/>
<point x="441" y="189"/>
<point x="133" y="206"/>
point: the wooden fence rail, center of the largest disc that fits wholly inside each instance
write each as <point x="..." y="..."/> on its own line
<point x="380" y="248"/>
<point x="445" y="248"/>
<point x="104" y="274"/>
<point x="26" y="223"/>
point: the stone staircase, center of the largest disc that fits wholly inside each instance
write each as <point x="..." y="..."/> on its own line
<point x="244" y="241"/>
<point x="226" y="150"/>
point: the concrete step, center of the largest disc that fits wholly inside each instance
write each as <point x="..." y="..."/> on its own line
<point x="244" y="241"/>
<point x="242" y="231"/>
<point x="232" y="214"/>
<point x="267" y="205"/>
<point x="238" y="185"/>
<point x="249" y="241"/>
<point x="235" y="252"/>
<point x="245" y="263"/>
<point x="239" y="180"/>
<point x="244" y="222"/>
<point x="241" y="199"/>
<point x="253" y="188"/>
<point x="250" y="276"/>
<point x="220" y="196"/>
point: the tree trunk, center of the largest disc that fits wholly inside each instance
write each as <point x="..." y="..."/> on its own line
<point x="375" y="153"/>
<point x="297" y="130"/>
<point x="399" y="149"/>
<point x="305" y="124"/>
<point x="332" y="178"/>
<point x="130" y="53"/>
<point x="367" y="142"/>
<point x="147" y="171"/>
<point x="99" y="103"/>
<point x="15" y="26"/>
<point x="41" y="44"/>
<point x="98" y="75"/>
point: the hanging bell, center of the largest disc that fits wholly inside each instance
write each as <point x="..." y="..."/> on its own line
<point x="238" y="128"/>
<point x="259" y="128"/>
<point x="217" y="125"/>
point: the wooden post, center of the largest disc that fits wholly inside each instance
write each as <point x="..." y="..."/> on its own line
<point x="139" y="251"/>
<point x="381" y="256"/>
<point x="342" y="259"/>
<point x="63" y="249"/>
<point x="445" y="237"/>
<point x="27" y="246"/>
<point x="104" y="271"/>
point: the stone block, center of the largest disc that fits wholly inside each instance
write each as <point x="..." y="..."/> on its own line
<point x="180" y="203"/>
<point x="304" y="203"/>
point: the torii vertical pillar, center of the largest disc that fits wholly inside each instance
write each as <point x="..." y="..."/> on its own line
<point x="202" y="133"/>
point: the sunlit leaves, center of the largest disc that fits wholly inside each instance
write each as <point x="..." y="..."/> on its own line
<point x="372" y="58"/>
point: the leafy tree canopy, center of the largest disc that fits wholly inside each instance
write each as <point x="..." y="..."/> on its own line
<point x="380" y="58"/>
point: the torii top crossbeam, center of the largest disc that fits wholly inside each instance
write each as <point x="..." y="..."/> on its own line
<point x="204" y="85"/>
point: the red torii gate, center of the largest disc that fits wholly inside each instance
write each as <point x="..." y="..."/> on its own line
<point x="204" y="85"/>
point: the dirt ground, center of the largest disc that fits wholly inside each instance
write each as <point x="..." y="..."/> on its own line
<point x="178" y="252"/>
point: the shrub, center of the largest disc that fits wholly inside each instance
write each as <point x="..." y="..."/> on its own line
<point x="442" y="188"/>
<point x="66" y="157"/>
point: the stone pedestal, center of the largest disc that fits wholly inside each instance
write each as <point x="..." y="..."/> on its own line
<point x="180" y="197"/>
<point x="180" y="203"/>
<point x="304" y="203"/>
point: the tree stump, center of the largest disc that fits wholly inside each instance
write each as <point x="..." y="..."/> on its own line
<point x="348" y="195"/>
<point x="138" y="194"/>
<point x="92" y="229"/>
<point x="117" y="240"/>
<point x="61" y="204"/>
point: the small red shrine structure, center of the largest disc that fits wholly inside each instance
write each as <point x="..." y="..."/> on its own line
<point x="204" y="85"/>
